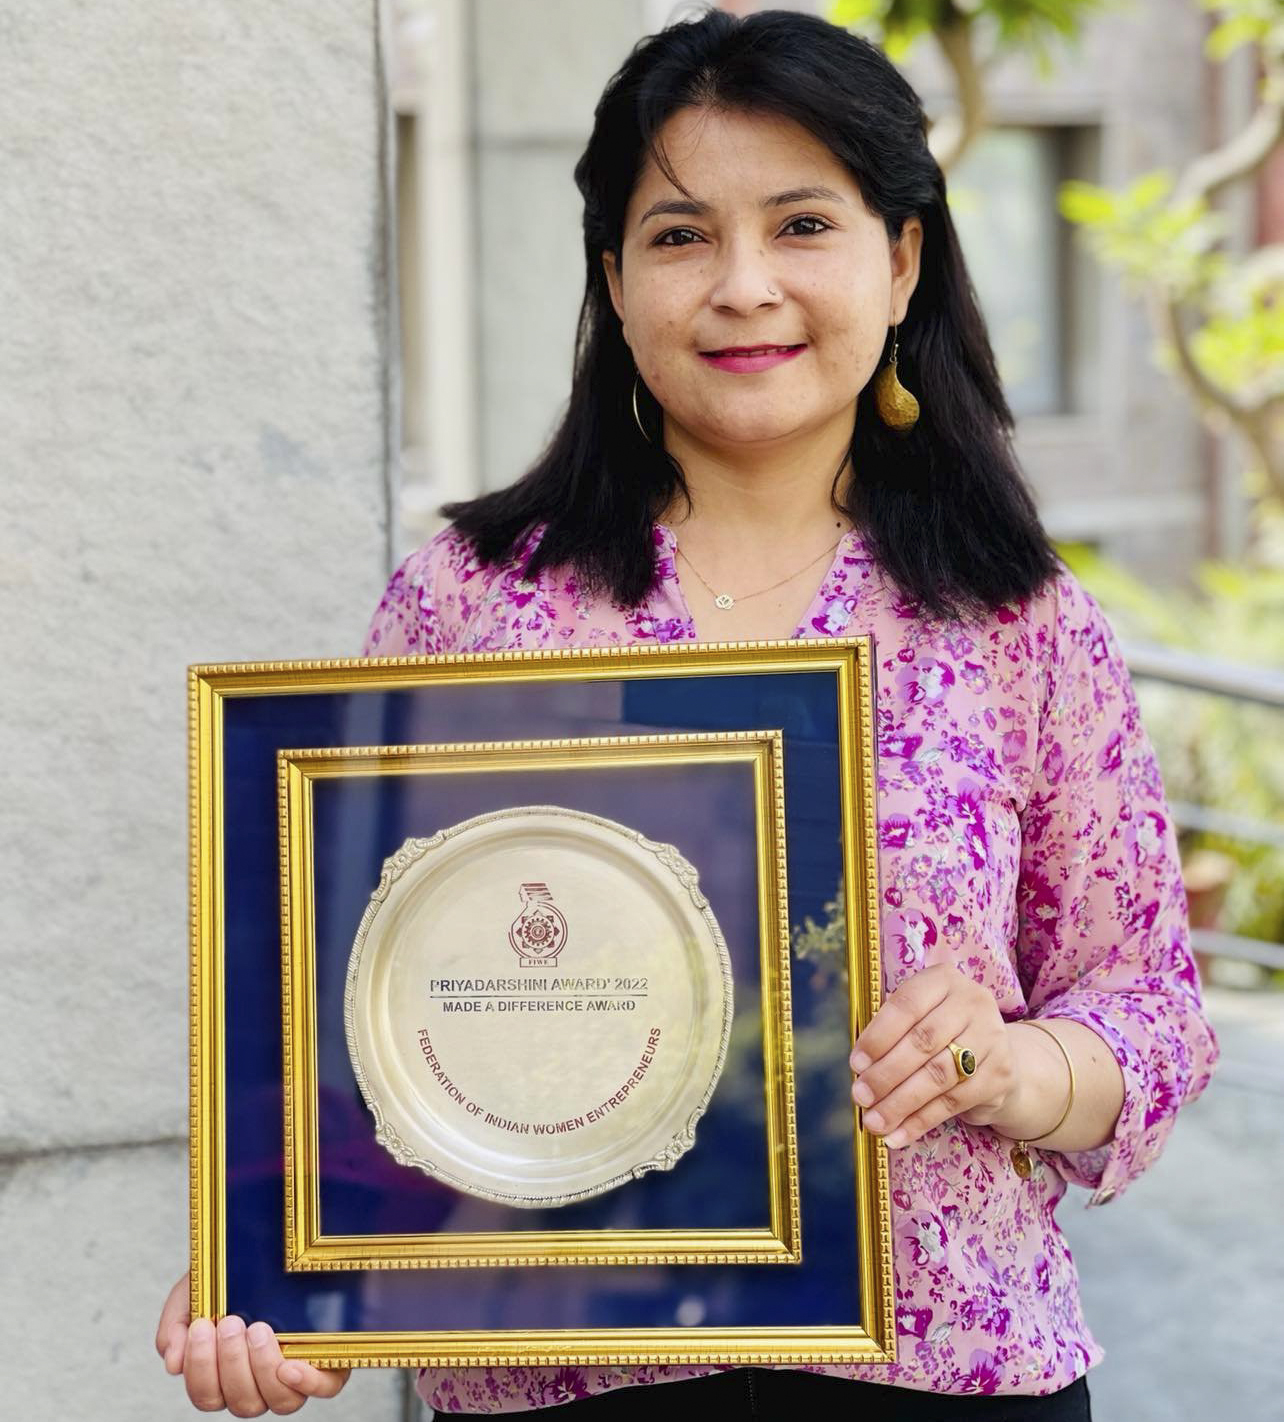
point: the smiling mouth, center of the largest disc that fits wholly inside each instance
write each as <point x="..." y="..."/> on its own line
<point x="753" y="350"/>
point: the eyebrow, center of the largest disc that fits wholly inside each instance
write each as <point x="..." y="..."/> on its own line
<point x="687" y="207"/>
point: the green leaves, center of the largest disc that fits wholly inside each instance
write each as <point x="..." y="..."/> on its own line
<point x="1259" y="22"/>
<point x="895" y="24"/>
<point x="1153" y="241"/>
<point x="1241" y="345"/>
<point x="1025" y="24"/>
<point x="1146" y="235"/>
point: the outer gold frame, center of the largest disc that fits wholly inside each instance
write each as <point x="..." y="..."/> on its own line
<point x="306" y="1247"/>
<point x="851" y="659"/>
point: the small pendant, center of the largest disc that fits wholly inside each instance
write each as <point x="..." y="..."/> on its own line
<point x="724" y="601"/>
<point x="1021" y="1161"/>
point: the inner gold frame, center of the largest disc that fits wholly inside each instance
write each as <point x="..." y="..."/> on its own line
<point x="851" y="659"/>
<point x="306" y="1247"/>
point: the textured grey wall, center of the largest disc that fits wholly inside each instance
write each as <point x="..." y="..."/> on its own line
<point x="193" y="466"/>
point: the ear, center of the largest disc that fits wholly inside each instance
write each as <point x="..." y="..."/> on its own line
<point x="906" y="253"/>
<point x="614" y="285"/>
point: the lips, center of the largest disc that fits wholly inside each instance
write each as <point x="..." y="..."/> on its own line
<point x="746" y="360"/>
<point x="752" y="350"/>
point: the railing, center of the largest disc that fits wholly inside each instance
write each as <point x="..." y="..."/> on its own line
<point x="1241" y="683"/>
<point x="1201" y="673"/>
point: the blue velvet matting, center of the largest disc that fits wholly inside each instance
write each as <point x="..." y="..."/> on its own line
<point x="721" y="1183"/>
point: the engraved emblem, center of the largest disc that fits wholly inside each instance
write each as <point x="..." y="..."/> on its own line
<point x="620" y="1060"/>
<point x="538" y="933"/>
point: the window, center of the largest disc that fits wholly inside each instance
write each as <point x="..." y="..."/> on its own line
<point x="1037" y="289"/>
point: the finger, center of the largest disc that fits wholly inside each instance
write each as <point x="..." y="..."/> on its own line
<point x="235" y="1374"/>
<point x="914" y="999"/>
<point x="200" y="1367"/>
<point x="920" y="1047"/>
<point x="266" y="1360"/>
<point x="925" y="1088"/>
<point x="926" y="1118"/>
<point x="315" y="1382"/>
<point x="174" y="1317"/>
<point x="176" y="1350"/>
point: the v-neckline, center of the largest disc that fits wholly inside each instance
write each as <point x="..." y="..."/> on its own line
<point x="848" y="545"/>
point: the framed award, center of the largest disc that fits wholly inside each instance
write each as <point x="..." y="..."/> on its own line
<point x="523" y="986"/>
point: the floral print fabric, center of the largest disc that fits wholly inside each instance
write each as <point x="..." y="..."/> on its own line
<point x="1024" y="837"/>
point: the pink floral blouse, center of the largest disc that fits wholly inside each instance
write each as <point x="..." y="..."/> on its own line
<point x="1023" y="835"/>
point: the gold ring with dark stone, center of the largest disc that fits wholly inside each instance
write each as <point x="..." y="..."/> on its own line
<point x="964" y="1060"/>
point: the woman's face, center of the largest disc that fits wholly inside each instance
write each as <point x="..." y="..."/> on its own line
<point x="756" y="261"/>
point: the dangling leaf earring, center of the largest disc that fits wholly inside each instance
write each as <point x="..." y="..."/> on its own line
<point x="897" y="408"/>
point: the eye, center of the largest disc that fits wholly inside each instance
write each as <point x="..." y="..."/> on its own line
<point x="822" y="225"/>
<point x="684" y="236"/>
<point x="674" y="232"/>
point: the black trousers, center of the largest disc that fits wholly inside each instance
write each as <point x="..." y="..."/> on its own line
<point x="787" y="1395"/>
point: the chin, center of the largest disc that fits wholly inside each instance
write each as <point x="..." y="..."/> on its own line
<point x="755" y="428"/>
<point x="744" y="421"/>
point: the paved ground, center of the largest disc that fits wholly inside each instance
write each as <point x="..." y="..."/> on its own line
<point x="1183" y="1275"/>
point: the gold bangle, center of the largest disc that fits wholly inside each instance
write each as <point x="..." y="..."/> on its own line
<point x="1022" y="1162"/>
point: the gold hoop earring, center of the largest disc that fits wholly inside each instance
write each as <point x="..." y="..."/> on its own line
<point x="897" y="408"/>
<point x="636" y="416"/>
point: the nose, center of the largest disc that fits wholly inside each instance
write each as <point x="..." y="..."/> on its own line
<point x="743" y="281"/>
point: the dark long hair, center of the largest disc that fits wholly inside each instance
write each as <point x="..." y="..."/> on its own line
<point x="943" y="508"/>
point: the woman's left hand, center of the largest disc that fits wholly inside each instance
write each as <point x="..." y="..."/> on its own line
<point x="907" y="1081"/>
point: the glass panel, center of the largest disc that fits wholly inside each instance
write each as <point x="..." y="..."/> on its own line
<point x="721" y="1180"/>
<point x="707" y="813"/>
<point x="1003" y="201"/>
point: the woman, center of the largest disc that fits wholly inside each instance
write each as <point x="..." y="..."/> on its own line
<point x="771" y="267"/>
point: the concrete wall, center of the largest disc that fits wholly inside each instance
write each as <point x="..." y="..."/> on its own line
<point x="193" y="466"/>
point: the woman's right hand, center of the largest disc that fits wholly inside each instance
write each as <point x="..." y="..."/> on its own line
<point x="234" y="1367"/>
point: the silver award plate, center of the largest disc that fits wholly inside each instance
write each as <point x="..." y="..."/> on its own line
<point x="537" y="1006"/>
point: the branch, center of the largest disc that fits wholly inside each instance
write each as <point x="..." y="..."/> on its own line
<point x="953" y="132"/>
<point x="1166" y="312"/>
<point x="1237" y="159"/>
<point x="1256" y="428"/>
<point x="1243" y="154"/>
<point x="1252" y="420"/>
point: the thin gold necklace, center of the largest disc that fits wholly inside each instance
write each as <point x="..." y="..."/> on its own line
<point x="725" y="602"/>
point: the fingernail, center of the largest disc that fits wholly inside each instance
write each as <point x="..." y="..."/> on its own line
<point x="230" y="1326"/>
<point x="290" y="1373"/>
<point x="873" y="1121"/>
<point x="201" y="1331"/>
<point x="896" y="1139"/>
<point x="259" y="1334"/>
<point x="860" y="1062"/>
<point x="862" y="1093"/>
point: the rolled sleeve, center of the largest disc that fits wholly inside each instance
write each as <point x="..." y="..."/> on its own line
<point x="1103" y="934"/>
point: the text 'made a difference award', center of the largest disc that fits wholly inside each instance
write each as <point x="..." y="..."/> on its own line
<point x="538" y="1004"/>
